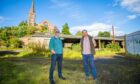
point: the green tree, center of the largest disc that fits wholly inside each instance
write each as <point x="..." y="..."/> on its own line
<point x="4" y="35"/>
<point x="23" y="23"/>
<point x="44" y="28"/>
<point x="65" y="29"/>
<point x="79" y="33"/>
<point x="31" y="30"/>
<point x="22" y="31"/>
<point x="104" y="34"/>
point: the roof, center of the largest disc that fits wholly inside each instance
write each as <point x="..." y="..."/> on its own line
<point x="74" y="36"/>
<point x="134" y="33"/>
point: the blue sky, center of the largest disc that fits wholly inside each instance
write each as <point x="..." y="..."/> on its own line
<point x="93" y="15"/>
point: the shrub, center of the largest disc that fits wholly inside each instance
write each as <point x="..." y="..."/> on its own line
<point x="71" y="54"/>
<point x="15" y="43"/>
<point x="113" y="47"/>
<point x="76" y="47"/>
<point x="6" y="43"/>
<point x="36" y="49"/>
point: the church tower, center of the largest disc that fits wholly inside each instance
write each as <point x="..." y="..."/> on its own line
<point x="31" y="19"/>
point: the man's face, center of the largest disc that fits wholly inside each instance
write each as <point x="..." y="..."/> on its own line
<point x="57" y="34"/>
<point x="84" y="33"/>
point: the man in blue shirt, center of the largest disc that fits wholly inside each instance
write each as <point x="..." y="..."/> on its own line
<point x="56" y="49"/>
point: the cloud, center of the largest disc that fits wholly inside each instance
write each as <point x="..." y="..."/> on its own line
<point x="131" y="17"/>
<point x="131" y="5"/>
<point x="67" y="8"/>
<point x="94" y="28"/>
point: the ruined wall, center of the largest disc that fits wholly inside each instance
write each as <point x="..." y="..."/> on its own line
<point x="133" y="43"/>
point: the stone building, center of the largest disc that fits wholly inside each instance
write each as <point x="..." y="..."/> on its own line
<point x="46" y="24"/>
<point x="31" y="19"/>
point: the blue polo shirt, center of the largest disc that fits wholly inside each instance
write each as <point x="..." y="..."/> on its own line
<point x="56" y="45"/>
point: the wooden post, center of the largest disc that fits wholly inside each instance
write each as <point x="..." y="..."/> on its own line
<point x="99" y="43"/>
<point x="113" y="37"/>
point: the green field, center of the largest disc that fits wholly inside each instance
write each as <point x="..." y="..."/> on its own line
<point x="34" y="70"/>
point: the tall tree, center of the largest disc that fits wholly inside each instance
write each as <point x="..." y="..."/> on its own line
<point x="79" y="33"/>
<point x="23" y="23"/>
<point x="104" y="34"/>
<point x="65" y="29"/>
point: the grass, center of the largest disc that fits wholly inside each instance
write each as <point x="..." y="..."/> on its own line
<point x="71" y="54"/>
<point x="29" y="67"/>
<point x="35" y="70"/>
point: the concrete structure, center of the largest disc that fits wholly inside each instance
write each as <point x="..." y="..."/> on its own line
<point x="44" y="38"/>
<point x="132" y="42"/>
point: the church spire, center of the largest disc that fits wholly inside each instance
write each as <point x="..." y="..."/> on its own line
<point x="32" y="8"/>
<point x="31" y="21"/>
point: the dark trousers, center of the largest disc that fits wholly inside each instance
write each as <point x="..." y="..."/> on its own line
<point x="56" y="58"/>
<point x="88" y="60"/>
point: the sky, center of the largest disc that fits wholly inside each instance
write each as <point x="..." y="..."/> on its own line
<point x="93" y="15"/>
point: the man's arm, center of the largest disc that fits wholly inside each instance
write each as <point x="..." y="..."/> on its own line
<point x="94" y="42"/>
<point x="51" y="46"/>
<point x="80" y="43"/>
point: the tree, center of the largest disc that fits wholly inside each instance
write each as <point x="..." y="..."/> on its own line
<point x="104" y="34"/>
<point x="79" y="33"/>
<point x="65" y="29"/>
<point x="4" y="35"/>
<point x="22" y="31"/>
<point x="44" y="28"/>
<point x="31" y="30"/>
<point x="23" y="23"/>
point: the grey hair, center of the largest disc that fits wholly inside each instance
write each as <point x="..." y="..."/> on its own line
<point x="84" y="30"/>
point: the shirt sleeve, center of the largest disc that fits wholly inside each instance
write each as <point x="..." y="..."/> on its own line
<point x="51" y="46"/>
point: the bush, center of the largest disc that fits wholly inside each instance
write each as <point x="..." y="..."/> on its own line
<point x="35" y="49"/>
<point x="15" y="43"/>
<point x="113" y="47"/>
<point x="6" y="43"/>
<point x="76" y="47"/>
<point x="71" y="54"/>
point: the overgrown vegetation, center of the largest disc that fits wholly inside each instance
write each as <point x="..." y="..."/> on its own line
<point x="36" y="70"/>
<point x="9" y="36"/>
<point x="113" y="47"/>
<point x="76" y="47"/>
<point x="35" y="50"/>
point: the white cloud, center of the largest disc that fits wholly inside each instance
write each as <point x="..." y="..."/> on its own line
<point x="94" y="28"/>
<point x="131" y="17"/>
<point x="131" y="5"/>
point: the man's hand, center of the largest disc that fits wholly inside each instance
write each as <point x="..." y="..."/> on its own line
<point x="52" y="51"/>
<point x="94" y="42"/>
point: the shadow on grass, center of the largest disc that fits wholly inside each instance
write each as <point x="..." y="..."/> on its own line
<point x="35" y="70"/>
<point x="8" y="52"/>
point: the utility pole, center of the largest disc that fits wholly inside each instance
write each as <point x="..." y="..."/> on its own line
<point x="113" y="37"/>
